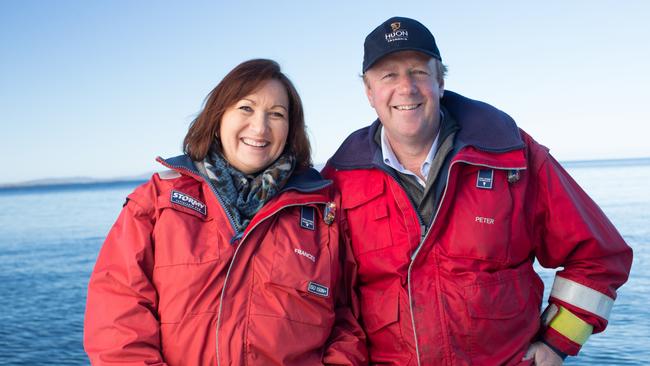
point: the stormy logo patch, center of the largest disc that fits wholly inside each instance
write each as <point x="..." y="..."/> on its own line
<point x="190" y="202"/>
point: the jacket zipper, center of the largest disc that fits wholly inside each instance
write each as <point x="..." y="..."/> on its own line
<point x="232" y="261"/>
<point x="231" y="220"/>
<point x="423" y="239"/>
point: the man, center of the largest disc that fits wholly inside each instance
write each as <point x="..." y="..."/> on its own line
<point x="448" y="204"/>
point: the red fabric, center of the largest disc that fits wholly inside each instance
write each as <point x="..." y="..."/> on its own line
<point x="154" y="297"/>
<point x="562" y="343"/>
<point x="472" y="294"/>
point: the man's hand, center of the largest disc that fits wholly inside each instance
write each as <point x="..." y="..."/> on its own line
<point x="542" y="355"/>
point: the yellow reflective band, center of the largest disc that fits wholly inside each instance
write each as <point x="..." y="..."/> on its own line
<point x="570" y="326"/>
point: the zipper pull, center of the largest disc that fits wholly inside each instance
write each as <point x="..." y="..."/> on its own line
<point x="423" y="232"/>
<point x="234" y="241"/>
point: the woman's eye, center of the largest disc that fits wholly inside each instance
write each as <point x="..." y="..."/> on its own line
<point x="246" y="108"/>
<point x="277" y="114"/>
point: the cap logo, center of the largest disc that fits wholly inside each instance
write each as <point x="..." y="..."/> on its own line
<point x="397" y="34"/>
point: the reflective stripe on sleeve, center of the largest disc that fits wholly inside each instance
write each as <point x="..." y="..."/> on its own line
<point x="169" y="174"/>
<point x="582" y="296"/>
<point x="570" y="326"/>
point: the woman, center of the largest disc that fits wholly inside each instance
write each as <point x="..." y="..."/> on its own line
<point x="232" y="256"/>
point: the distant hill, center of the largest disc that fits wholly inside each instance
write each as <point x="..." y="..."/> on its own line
<point x="74" y="181"/>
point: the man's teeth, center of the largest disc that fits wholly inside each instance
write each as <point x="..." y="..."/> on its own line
<point x="406" y="107"/>
<point x="254" y="142"/>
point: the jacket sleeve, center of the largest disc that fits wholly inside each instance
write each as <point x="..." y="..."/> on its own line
<point x="347" y="342"/>
<point x="121" y="326"/>
<point x="574" y="233"/>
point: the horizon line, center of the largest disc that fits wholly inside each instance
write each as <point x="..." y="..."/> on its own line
<point x="83" y="180"/>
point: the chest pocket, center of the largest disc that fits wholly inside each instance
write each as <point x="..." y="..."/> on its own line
<point x="369" y="219"/>
<point x="187" y="261"/>
<point x="479" y="224"/>
<point x="183" y="235"/>
<point x="296" y="270"/>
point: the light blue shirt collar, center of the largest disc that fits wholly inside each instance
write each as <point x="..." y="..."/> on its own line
<point x="391" y="160"/>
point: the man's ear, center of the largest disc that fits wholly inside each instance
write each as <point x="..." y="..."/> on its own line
<point x="369" y="93"/>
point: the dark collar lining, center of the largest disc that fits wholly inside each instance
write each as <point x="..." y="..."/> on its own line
<point x="304" y="180"/>
<point x="481" y="125"/>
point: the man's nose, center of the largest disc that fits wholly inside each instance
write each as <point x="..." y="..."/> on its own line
<point x="406" y="85"/>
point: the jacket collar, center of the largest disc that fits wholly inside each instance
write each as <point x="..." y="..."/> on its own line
<point x="304" y="180"/>
<point x="482" y="126"/>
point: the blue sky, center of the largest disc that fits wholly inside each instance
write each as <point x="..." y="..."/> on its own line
<point x="100" y="88"/>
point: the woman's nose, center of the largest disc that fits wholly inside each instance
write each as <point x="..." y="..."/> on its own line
<point x="259" y="123"/>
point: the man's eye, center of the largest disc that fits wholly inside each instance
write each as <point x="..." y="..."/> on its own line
<point x="246" y="108"/>
<point x="389" y="75"/>
<point x="420" y="72"/>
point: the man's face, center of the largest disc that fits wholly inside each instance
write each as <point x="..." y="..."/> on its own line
<point x="404" y="91"/>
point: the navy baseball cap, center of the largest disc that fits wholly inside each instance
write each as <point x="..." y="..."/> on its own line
<point x="398" y="34"/>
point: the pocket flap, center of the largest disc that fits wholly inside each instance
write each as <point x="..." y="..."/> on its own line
<point x="380" y="308"/>
<point x="362" y="193"/>
<point x="500" y="295"/>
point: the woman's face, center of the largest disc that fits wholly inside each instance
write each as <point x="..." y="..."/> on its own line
<point x="254" y="130"/>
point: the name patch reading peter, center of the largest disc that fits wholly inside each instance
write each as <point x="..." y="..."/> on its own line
<point x="190" y="202"/>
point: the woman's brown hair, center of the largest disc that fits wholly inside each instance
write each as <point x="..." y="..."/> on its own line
<point x="240" y="82"/>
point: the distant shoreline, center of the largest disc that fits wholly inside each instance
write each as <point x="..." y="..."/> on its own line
<point x="70" y="186"/>
<point x="605" y="162"/>
<point x="81" y="182"/>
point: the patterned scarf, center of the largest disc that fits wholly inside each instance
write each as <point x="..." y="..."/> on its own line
<point x="244" y="194"/>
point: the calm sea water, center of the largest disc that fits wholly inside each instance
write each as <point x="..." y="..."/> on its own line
<point x="50" y="237"/>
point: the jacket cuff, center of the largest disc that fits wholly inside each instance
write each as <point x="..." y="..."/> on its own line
<point x="563" y="331"/>
<point x="560" y="344"/>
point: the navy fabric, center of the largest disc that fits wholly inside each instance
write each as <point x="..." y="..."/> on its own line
<point x="304" y="180"/>
<point x="398" y="34"/>
<point x="481" y="126"/>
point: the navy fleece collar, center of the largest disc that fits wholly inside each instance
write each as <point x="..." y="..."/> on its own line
<point x="304" y="180"/>
<point x="481" y="126"/>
